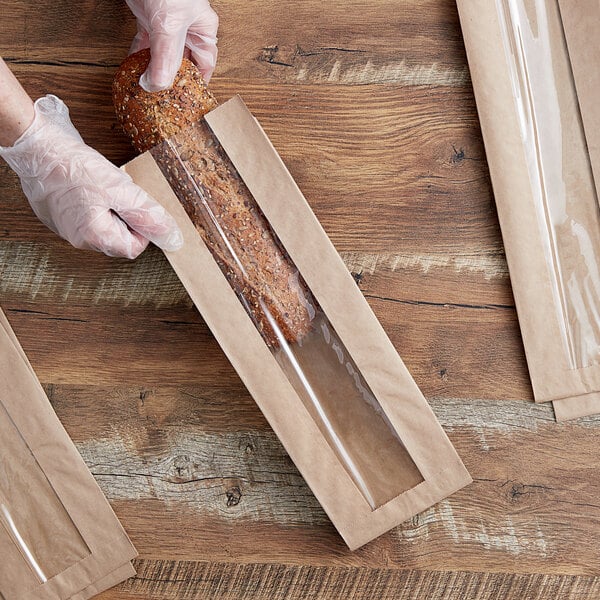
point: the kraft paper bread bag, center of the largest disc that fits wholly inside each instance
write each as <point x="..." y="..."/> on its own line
<point x="112" y="578"/>
<point x="338" y="395"/>
<point x="58" y="536"/>
<point x="121" y="573"/>
<point x="545" y="192"/>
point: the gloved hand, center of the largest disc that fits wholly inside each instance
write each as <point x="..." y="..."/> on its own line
<point x="168" y="27"/>
<point x="79" y="194"/>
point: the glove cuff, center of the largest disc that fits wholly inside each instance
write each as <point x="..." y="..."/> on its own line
<point x="50" y="123"/>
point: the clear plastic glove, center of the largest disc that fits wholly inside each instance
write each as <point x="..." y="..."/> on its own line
<point x="79" y="194"/>
<point x="168" y="27"/>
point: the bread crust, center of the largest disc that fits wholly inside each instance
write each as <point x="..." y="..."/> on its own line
<point x="148" y="118"/>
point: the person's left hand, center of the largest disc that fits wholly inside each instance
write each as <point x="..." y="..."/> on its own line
<point x="172" y="28"/>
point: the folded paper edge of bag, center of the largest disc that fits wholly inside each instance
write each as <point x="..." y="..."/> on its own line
<point x="576" y="407"/>
<point x="239" y="133"/>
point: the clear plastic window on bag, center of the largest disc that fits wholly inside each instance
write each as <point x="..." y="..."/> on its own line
<point x="559" y="168"/>
<point x="38" y="539"/>
<point x="288" y="317"/>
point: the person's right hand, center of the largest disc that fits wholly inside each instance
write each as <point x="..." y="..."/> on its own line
<point x="82" y="196"/>
<point x="170" y="27"/>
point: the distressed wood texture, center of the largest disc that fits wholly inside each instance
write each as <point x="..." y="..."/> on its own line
<point x="370" y="106"/>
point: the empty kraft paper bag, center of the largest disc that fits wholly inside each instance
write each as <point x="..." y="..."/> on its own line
<point x="544" y="187"/>
<point x="297" y="329"/>
<point x="59" y="538"/>
<point x="121" y="573"/>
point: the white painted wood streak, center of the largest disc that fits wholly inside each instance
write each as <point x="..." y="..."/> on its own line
<point x="34" y="272"/>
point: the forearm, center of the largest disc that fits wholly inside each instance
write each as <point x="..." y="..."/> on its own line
<point x="16" y="107"/>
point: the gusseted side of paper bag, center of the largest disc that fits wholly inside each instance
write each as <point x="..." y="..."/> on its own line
<point x="286" y="311"/>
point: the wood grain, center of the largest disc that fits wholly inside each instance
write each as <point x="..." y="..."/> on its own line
<point x="347" y="41"/>
<point x="370" y="106"/>
<point x="201" y="459"/>
<point x="47" y="269"/>
<point x="141" y="345"/>
<point x="391" y="162"/>
<point x="227" y="581"/>
<point x="376" y="211"/>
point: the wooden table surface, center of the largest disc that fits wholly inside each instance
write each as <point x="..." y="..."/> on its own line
<point x="371" y="107"/>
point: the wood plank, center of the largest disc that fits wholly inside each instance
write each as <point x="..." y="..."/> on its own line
<point x="51" y="270"/>
<point x="352" y="42"/>
<point x="164" y="346"/>
<point x="87" y="32"/>
<point x="347" y="41"/>
<point x="47" y="269"/>
<point x="202" y="460"/>
<point x="170" y="579"/>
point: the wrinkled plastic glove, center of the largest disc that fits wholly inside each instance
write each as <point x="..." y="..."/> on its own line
<point x="170" y="27"/>
<point x="82" y="196"/>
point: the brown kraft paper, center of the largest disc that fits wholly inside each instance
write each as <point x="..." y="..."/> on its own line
<point x="58" y="536"/>
<point x="431" y="469"/>
<point x="117" y="576"/>
<point x="544" y="190"/>
<point x="581" y="24"/>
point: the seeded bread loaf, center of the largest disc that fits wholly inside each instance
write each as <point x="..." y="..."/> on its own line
<point x="231" y="223"/>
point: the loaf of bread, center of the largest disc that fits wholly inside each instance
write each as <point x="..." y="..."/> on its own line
<point x="228" y="218"/>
